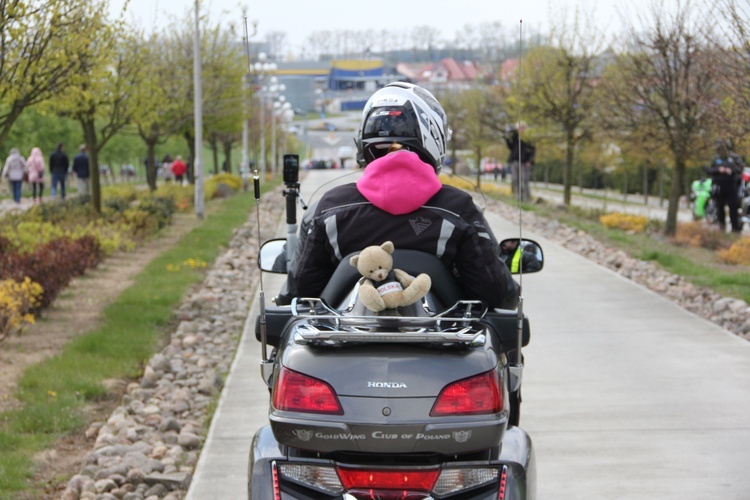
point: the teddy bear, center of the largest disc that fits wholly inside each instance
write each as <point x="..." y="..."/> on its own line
<point x="383" y="286"/>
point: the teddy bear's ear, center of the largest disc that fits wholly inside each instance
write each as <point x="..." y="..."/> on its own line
<point x="388" y="246"/>
<point x="353" y="261"/>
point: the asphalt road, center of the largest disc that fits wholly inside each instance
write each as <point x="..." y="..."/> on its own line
<point x="626" y="395"/>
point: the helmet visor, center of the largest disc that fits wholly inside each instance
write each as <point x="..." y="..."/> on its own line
<point x="391" y="121"/>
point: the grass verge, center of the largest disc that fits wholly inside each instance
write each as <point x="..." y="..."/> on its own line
<point x="699" y="266"/>
<point x="55" y="392"/>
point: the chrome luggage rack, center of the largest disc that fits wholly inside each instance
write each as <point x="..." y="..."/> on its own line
<point x="324" y="324"/>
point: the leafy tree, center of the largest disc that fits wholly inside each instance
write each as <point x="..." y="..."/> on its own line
<point x="560" y="85"/>
<point x="733" y="47"/>
<point x="224" y="66"/>
<point x="100" y="97"/>
<point x="38" y="40"/>
<point x="159" y="109"/>
<point x="662" y="86"/>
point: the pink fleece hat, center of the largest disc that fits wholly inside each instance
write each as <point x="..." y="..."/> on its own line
<point x="399" y="182"/>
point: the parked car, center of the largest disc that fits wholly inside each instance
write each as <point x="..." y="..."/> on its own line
<point x="317" y="164"/>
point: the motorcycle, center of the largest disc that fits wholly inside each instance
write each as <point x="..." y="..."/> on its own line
<point x="702" y="201"/>
<point x="419" y="403"/>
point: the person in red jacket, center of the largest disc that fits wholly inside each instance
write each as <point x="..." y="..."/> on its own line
<point x="179" y="169"/>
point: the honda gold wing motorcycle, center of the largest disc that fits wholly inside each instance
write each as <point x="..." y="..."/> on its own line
<point x="417" y="403"/>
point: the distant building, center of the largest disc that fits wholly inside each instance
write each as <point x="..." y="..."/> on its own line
<point x="444" y="74"/>
<point x="332" y="86"/>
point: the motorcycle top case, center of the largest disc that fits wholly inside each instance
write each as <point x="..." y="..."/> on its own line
<point x="386" y="392"/>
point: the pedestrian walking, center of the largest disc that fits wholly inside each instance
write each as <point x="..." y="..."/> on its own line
<point x="179" y="168"/>
<point x="58" y="169"/>
<point x="82" y="171"/>
<point x="15" y="170"/>
<point x="35" y="166"/>
<point x="520" y="161"/>
<point x="166" y="165"/>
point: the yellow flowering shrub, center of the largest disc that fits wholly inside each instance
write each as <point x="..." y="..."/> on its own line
<point x="738" y="253"/>
<point x="466" y="185"/>
<point x="27" y="236"/>
<point x="626" y="222"/>
<point x="231" y="180"/>
<point x="16" y="300"/>
<point x="183" y="196"/>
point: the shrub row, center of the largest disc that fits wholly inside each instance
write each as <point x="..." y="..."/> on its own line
<point x="52" y="265"/>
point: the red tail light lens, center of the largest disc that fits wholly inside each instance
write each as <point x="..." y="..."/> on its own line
<point x="471" y="396"/>
<point x="404" y="480"/>
<point x="294" y="391"/>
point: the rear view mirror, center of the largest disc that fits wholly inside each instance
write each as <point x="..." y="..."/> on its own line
<point x="529" y="258"/>
<point x="272" y="256"/>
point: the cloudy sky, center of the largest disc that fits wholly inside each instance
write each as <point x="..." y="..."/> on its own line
<point x="299" y="18"/>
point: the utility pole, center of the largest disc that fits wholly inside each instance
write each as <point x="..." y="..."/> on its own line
<point x="200" y="201"/>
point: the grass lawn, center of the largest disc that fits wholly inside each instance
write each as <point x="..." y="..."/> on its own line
<point x="698" y="265"/>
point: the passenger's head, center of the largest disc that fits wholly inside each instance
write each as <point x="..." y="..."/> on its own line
<point x="406" y="114"/>
<point x="723" y="147"/>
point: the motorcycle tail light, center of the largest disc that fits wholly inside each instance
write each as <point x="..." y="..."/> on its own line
<point x="320" y="478"/>
<point x="476" y="395"/>
<point x="453" y="480"/>
<point x="295" y="391"/>
<point x="404" y="481"/>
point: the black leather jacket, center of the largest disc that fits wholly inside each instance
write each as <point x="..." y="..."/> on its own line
<point x="448" y="225"/>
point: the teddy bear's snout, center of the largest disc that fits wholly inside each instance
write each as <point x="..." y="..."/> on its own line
<point x="380" y="274"/>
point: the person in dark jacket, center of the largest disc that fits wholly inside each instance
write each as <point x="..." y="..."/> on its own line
<point x="82" y="171"/>
<point x="520" y="161"/>
<point x="58" y="169"/>
<point x="400" y="198"/>
<point x="725" y="172"/>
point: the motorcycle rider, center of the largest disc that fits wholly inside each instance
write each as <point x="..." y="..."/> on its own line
<point x="400" y="198"/>
<point x="725" y="172"/>
<point x="518" y="258"/>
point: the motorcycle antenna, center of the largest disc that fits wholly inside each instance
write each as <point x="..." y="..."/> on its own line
<point x="256" y="192"/>
<point x="261" y="294"/>
<point x="517" y="370"/>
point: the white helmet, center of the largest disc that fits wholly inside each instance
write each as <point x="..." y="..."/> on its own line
<point x="407" y="114"/>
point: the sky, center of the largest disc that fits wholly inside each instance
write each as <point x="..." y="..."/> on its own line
<point x="299" y="18"/>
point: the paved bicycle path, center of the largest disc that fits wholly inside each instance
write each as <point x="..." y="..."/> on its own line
<point x="626" y="395"/>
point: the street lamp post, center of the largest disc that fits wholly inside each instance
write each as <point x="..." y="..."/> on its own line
<point x="263" y="68"/>
<point x="245" y="168"/>
<point x="275" y="111"/>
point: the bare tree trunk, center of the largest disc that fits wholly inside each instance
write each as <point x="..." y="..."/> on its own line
<point x="228" y="155"/>
<point x="674" y="196"/>
<point x="479" y="167"/>
<point x="151" y="165"/>
<point x="89" y="134"/>
<point x="568" y="170"/>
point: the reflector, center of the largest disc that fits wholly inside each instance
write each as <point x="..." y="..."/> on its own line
<point x="411" y="480"/>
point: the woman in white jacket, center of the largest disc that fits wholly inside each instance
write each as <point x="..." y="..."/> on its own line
<point x="15" y="167"/>
<point x="35" y="167"/>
